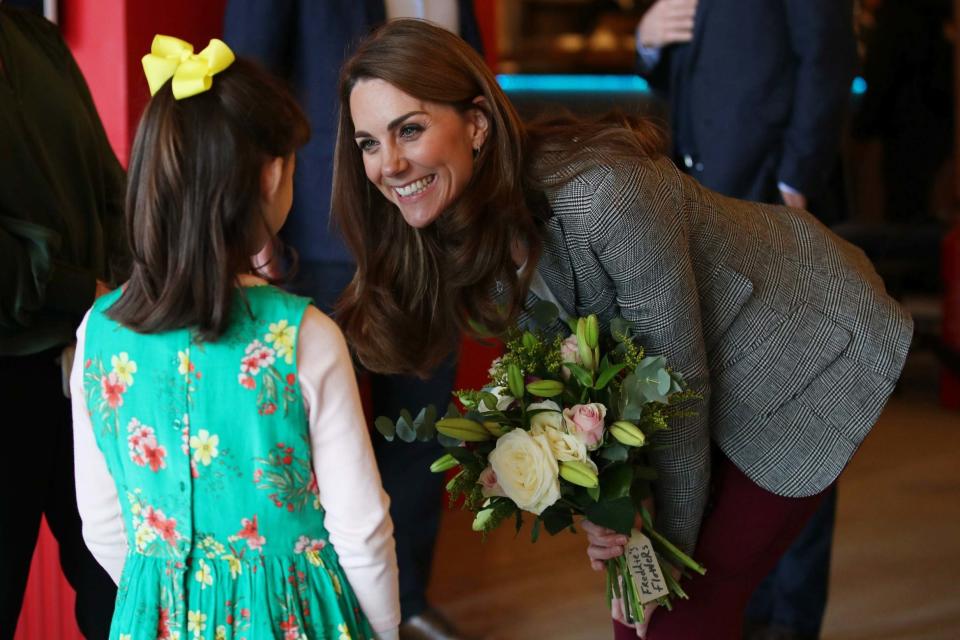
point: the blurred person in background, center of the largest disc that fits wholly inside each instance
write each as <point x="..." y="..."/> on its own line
<point x="61" y="245"/>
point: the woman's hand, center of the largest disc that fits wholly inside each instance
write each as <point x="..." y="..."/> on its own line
<point x="604" y="544"/>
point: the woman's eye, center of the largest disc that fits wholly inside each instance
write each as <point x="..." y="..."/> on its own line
<point x="367" y="144"/>
<point x="410" y="130"/>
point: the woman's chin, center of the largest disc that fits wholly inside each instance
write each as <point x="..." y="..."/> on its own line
<point x="418" y="219"/>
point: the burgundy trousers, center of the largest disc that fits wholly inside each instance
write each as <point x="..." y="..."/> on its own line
<point x="741" y="540"/>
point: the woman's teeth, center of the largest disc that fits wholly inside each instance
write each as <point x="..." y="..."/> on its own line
<point x="414" y="187"/>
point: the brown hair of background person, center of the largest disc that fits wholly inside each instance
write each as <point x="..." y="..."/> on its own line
<point x="193" y="200"/>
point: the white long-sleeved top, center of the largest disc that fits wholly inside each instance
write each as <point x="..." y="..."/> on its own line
<point x="357" y="508"/>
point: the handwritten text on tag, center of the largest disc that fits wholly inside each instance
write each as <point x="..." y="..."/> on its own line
<point x="644" y="568"/>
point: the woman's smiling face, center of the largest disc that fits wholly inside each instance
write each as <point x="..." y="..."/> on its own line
<point x="418" y="154"/>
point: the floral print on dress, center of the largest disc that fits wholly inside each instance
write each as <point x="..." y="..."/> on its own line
<point x="105" y="389"/>
<point x="289" y="477"/>
<point x="143" y="446"/>
<point x="196" y="622"/>
<point x="204" y="446"/>
<point x="259" y="358"/>
<point x="310" y="548"/>
<point x="230" y="554"/>
<point x="250" y="532"/>
<point x="152" y="527"/>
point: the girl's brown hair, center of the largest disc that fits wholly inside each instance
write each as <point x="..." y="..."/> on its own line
<point x="193" y="210"/>
<point x="416" y="290"/>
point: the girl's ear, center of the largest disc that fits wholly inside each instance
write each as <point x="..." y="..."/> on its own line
<point x="480" y="120"/>
<point x="270" y="178"/>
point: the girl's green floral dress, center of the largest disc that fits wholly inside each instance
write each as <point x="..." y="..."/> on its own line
<point x="208" y="444"/>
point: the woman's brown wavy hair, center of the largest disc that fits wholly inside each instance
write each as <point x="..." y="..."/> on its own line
<point x="416" y="290"/>
<point x="193" y="210"/>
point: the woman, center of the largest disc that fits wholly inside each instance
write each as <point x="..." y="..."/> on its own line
<point x="784" y="329"/>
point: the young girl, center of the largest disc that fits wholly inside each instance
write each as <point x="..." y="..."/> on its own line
<point x="224" y="472"/>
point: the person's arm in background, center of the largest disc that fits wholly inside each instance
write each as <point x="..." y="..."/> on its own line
<point x="821" y="37"/>
<point x="666" y="22"/>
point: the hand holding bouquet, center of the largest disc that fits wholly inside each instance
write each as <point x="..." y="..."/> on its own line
<point x="560" y="431"/>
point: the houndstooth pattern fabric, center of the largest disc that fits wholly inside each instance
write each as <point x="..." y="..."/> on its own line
<point x="784" y="329"/>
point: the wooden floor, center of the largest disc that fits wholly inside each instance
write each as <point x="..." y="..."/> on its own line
<point x="896" y="568"/>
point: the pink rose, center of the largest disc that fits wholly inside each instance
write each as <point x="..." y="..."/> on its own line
<point x="489" y="486"/>
<point x="585" y="421"/>
<point x="569" y="352"/>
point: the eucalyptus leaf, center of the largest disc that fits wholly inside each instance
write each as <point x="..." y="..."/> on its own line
<point x="535" y="530"/>
<point x="615" y="452"/>
<point x="405" y="430"/>
<point x="425" y="423"/>
<point x="544" y="313"/>
<point x="386" y="427"/>
<point x="452" y="411"/>
<point x="647" y="384"/>
<point x="619" y="326"/>
<point x="446" y="441"/>
<point x="594" y="493"/>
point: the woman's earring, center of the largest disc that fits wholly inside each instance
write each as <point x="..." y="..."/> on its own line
<point x="476" y="153"/>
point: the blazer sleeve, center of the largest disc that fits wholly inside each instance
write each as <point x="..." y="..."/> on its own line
<point x="641" y="242"/>
<point x="821" y="37"/>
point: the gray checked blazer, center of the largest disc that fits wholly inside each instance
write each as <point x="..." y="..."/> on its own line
<point x="784" y="328"/>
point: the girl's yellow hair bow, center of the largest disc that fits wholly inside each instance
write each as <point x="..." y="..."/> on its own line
<point x="191" y="73"/>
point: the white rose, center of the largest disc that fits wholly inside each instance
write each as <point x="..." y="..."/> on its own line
<point x="564" y="446"/>
<point x="526" y="470"/>
<point x="503" y="399"/>
<point x="551" y="418"/>
<point x="550" y="424"/>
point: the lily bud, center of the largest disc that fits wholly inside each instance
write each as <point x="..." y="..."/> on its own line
<point x="463" y="429"/>
<point x="545" y="388"/>
<point x="585" y="351"/>
<point x="482" y="519"/>
<point x="579" y="473"/>
<point x="515" y="380"/>
<point x="592" y="331"/>
<point x="443" y="463"/>
<point x="628" y="433"/>
<point x="494" y="428"/>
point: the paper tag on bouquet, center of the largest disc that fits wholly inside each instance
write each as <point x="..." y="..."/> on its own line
<point x="644" y="568"/>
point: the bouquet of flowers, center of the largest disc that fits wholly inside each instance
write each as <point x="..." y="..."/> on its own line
<point x="562" y="430"/>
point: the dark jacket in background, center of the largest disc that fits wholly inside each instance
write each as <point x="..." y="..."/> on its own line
<point x="759" y="95"/>
<point x="61" y="190"/>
